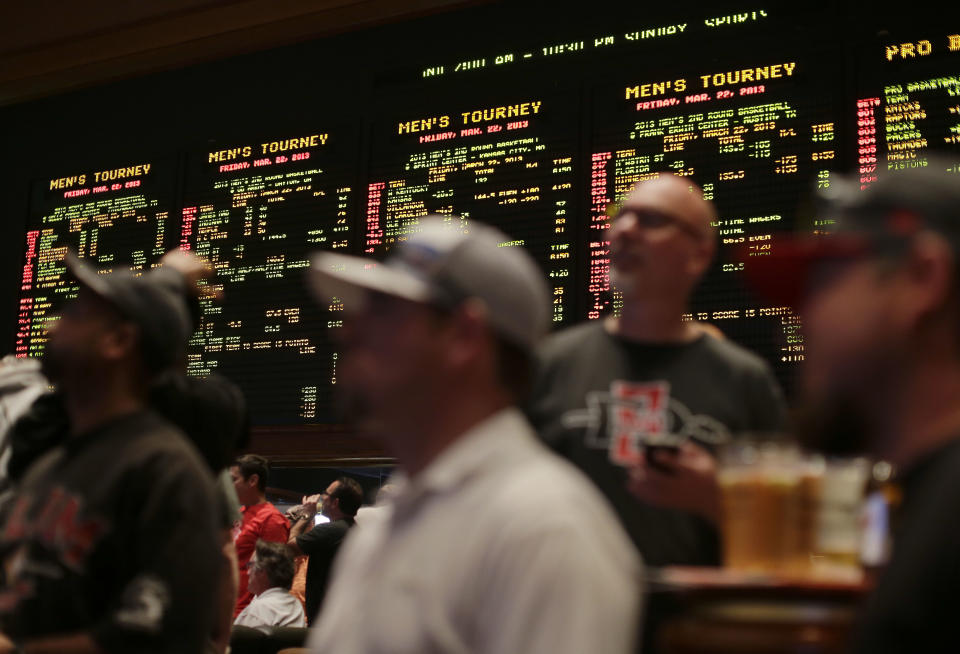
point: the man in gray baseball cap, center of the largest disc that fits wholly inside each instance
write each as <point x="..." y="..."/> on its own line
<point x="879" y="296"/>
<point x="491" y="544"/>
<point x="441" y="273"/>
<point x="443" y="266"/>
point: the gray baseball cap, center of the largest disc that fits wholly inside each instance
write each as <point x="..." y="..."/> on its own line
<point x="161" y="314"/>
<point x="444" y="265"/>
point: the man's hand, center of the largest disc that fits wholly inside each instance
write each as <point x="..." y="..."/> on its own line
<point x="308" y="508"/>
<point x="684" y="479"/>
<point x="194" y="269"/>
<point x="6" y="645"/>
<point x="303" y="523"/>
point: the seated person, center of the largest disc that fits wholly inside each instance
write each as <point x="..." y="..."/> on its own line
<point x="271" y="574"/>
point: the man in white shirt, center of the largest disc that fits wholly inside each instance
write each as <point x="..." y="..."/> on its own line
<point x="271" y="575"/>
<point x="491" y="543"/>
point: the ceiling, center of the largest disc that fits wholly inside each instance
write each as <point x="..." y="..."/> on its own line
<point x="48" y="47"/>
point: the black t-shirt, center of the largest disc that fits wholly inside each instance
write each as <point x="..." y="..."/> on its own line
<point x="596" y="394"/>
<point x="113" y="534"/>
<point x="44" y="426"/>
<point x="321" y="544"/>
<point x="914" y="607"/>
<point x="211" y="411"/>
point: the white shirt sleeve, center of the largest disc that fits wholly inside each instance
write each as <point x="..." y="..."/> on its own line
<point x="249" y="616"/>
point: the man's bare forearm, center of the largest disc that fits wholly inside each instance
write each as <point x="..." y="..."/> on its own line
<point x="296" y="530"/>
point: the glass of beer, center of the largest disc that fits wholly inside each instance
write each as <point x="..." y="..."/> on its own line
<point x="770" y="493"/>
<point x="837" y="549"/>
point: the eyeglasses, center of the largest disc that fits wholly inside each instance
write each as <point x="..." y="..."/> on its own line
<point x="651" y="218"/>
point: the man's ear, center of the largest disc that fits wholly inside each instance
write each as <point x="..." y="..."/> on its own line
<point x="253" y="480"/>
<point x="469" y="331"/>
<point x="930" y="276"/>
<point x="706" y="251"/>
<point x="120" y="340"/>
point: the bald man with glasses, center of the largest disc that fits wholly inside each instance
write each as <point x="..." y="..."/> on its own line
<point x="638" y="400"/>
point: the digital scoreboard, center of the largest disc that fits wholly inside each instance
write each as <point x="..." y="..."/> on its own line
<point x="535" y="131"/>
<point x="256" y="210"/>
<point x="908" y="103"/>
<point x="114" y="216"/>
<point x="511" y="165"/>
<point x="756" y="135"/>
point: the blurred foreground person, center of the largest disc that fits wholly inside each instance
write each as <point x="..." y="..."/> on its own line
<point x="271" y="575"/>
<point x="212" y="412"/>
<point x="491" y="544"/>
<point x="110" y="542"/>
<point x="636" y="400"/>
<point x="881" y="312"/>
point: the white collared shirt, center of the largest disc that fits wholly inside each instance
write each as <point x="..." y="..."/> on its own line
<point x="497" y="546"/>
<point x="274" y="607"/>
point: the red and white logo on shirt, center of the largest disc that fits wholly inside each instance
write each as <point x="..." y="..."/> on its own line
<point x="638" y="412"/>
<point x="634" y="415"/>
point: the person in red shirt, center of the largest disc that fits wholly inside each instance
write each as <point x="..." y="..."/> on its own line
<point x="261" y="519"/>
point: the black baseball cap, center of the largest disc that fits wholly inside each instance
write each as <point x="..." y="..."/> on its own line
<point x="880" y="219"/>
<point x="160" y="313"/>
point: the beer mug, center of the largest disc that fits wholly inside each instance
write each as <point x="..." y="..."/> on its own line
<point x="839" y="528"/>
<point x="770" y="497"/>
